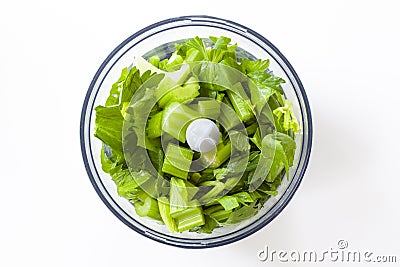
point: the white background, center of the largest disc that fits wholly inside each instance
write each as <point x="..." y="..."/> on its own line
<point x="345" y="52"/>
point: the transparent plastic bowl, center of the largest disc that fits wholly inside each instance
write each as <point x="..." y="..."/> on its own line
<point x="161" y="35"/>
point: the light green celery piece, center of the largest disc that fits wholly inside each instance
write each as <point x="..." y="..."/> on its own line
<point x="154" y="60"/>
<point x="193" y="55"/>
<point x="170" y="80"/>
<point x="221" y="215"/>
<point x="176" y="118"/>
<point x="209" y="108"/>
<point x="239" y="103"/>
<point x="164" y="209"/>
<point x="180" y="94"/>
<point x="143" y="65"/>
<point x="154" y="125"/>
<point x="243" y="197"/>
<point x="228" y="202"/>
<point x="108" y="126"/>
<point x="214" y="160"/>
<point x="217" y="188"/>
<point x="289" y="120"/>
<point x="174" y="60"/>
<point x="177" y="161"/>
<point x="148" y="208"/>
<point x="178" y="196"/>
<point x="218" y="213"/>
<point x="190" y="218"/>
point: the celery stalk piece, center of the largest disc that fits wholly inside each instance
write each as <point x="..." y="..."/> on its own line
<point x="228" y="202"/>
<point x="172" y="80"/>
<point x="177" y="161"/>
<point x="148" y="208"/>
<point x="191" y="189"/>
<point x="178" y="196"/>
<point x="190" y="218"/>
<point x="154" y="126"/>
<point x="214" y="160"/>
<point x="154" y="60"/>
<point x="176" y="118"/>
<point x="164" y="209"/>
<point x="221" y="215"/>
<point x="209" y="108"/>
<point x="143" y="65"/>
<point x="239" y="104"/>
<point x="252" y="128"/>
<point x="218" y="213"/>
<point x="180" y="94"/>
<point x="211" y="195"/>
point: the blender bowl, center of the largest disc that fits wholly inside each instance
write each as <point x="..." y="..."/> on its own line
<point x="159" y="39"/>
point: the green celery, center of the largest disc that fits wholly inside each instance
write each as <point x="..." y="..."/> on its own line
<point x="195" y="177"/>
<point x="154" y="60"/>
<point x="179" y="197"/>
<point x="214" y="160"/>
<point x="176" y="118"/>
<point x="243" y="197"/>
<point x="216" y="189"/>
<point x="286" y="117"/>
<point x="154" y="127"/>
<point x="108" y="126"/>
<point x="164" y="208"/>
<point x="190" y="218"/>
<point x="228" y="202"/>
<point x="177" y="161"/>
<point x="239" y="103"/>
<point x="209" y="108"/>
<point x="148" y="208"/>
<point x="218" y="213"/>
<point x="251" y="129"/>
<point x="181" y="94"/>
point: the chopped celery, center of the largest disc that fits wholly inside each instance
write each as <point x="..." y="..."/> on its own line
<point x="148" y="208"/>
<point x="190" y="218"/>
<point x="177" y="161"/>
<point x="251" y="129"/>
<point x="164" y="208"/>
<point x="174" y="61"/>
<point x="195" y="177"/>
<point x="218" y="213"/>
<point x="176" y="118"/>
<point x="178" y="196"/>
<point x="228" y="202"/>
<point x="241" y="106"/>
<point x="209" y="108"/>
<point x="154" y="60"/>
<point x="243" y="197"/>
<point x="171" y="80"/>
<point x="214" y="160"/>
<point x="181" y="94"/>
<point x="154" y="127"/>
<point x="217" y="188"/>
<point x="170" y="93"/>
<point x="221" y="215"/>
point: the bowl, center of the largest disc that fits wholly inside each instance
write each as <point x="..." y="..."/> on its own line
<point x="159" y="39"/>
